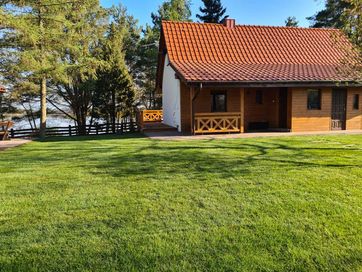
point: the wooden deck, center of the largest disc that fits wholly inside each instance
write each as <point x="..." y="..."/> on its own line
<point x="156" y="127"/>
<point x="151" y="121"/>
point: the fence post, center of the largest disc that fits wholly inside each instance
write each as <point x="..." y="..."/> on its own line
<point x="70" y="130"/>
<point x="96" y="124"/>
<point x="12" y="133"/>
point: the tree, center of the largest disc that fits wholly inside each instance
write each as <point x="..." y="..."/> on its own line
<point x="33" y="37"/>
<point x="114" y="83"/>
<point x="352" y="25"/>
<point x="331" y="15"/>
<point x="212" y="12"/>
<point x="291" y="21"/>
<point x="172" y="10"/>
<point x="345" y="15"/>
<point x="87" y="23"/>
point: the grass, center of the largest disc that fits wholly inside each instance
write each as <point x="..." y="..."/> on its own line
<point x="131" y="204"/>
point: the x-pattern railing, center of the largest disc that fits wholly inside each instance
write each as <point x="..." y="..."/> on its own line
<point x="217" y="122"/>
<point x="152" y="115"/>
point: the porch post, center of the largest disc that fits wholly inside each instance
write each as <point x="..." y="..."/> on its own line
<point x="192" y="110"/>
<point x="242" y="111"/>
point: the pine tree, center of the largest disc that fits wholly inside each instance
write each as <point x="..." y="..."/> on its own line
<point x="212" y="12"/>
<point x="172" y="10"/>
<point x="50" y="42"/>
<point x="87" y="23"/>
<point x="345" y="15"/>
<point x="352" y="26"/>
<point x="331" y="15"/>
<point x="291" y="21"/>
<point x="115" y="84"/>
<point x="32" y="37"/>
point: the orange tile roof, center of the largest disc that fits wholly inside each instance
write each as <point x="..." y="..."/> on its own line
<point x="213" y="53"/>
<point x="2" y="89"/>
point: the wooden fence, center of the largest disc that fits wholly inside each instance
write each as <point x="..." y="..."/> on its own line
<point x="96" y="129"/>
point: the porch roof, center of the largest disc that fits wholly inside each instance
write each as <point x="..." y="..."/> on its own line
<point x="201" y="52"/>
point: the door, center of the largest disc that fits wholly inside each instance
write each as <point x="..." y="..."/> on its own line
<point x="339" y="99"/>
<point x="283" y="107"/>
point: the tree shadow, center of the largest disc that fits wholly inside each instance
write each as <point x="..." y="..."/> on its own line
<point x="91" y="138"/>
<point x="221" y="160"/>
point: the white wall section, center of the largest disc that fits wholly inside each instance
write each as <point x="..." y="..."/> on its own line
<point x="171" y="97"/>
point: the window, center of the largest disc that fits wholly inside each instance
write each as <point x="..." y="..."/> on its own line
<point x="259" y="97"/>
<point x="314" y="99"/>
<point x="356" y="102"/>
<point x="218" y="102"/>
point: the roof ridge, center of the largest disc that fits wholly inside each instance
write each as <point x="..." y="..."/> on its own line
<point x="258" y="26"/>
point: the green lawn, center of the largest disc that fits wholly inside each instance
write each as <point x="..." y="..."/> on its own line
<point x="113" y="203"/>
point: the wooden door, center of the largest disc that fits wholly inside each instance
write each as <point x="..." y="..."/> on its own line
<point x="339" y="100"/>
<point x="283" y="107"/>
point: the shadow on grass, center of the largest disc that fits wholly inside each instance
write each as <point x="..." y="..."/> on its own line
<point x="224" y="160"/>
<point x="152" y="159"/>
<point x="91" y="138"/>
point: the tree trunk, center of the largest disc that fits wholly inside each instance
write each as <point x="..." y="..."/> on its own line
<point x="43" y="108"/>
<point x="113" y="113"/>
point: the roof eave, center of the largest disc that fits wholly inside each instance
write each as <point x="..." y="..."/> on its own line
<point x="276" y="83"/>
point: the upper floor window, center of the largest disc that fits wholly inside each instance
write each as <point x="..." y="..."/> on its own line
<point x="218" y="102"/>
<point x="314" y="99"/>
<point x="356" y="102"/>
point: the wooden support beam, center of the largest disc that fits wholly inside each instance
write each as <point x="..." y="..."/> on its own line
<point x="242" y="110"/>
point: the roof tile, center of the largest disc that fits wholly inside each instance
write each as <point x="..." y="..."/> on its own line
<point x="213" y="52"/>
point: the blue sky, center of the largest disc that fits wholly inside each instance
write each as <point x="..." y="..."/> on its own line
<point x="253" y="12"/>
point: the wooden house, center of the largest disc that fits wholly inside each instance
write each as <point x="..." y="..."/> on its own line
<point x="218" y="78"/>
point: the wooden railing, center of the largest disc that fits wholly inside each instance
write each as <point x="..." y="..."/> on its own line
<point x="96" y="129"/>
<point x="4" y="129"/>
<point x="225" y="122"/>
<point x="149" y="116"/>
<point x="152" y="116"/>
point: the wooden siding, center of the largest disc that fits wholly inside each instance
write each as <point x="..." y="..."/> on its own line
<point x="289" y="108"/>
<point x="185" y="108"/>
<point x="299" y="118"/>
<point x="242" y="110"/>
<point x="304" y="119"/>
<point x="268" y="111"/>
<point x="320" y="120"/>
<point x="354" y="117"/>
<point x="202" y="104"/>
<point x="203" y="100"/>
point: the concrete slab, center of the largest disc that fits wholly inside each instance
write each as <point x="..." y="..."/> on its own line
<point x="175" y="136"/>
<point x="12" y="143"/>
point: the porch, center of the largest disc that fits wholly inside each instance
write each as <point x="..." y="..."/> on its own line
<point x="235" y="110"/>
<point x="152" y="121"/>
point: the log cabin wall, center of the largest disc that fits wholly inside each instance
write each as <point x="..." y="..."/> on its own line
<point x="185" y="108"/>
<point x="265" y="112"/>
<point x="304" y="119"/>
<point x="354" y="116"/>
<point x="203" y="103"/>
<point x="299" y="117"/>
